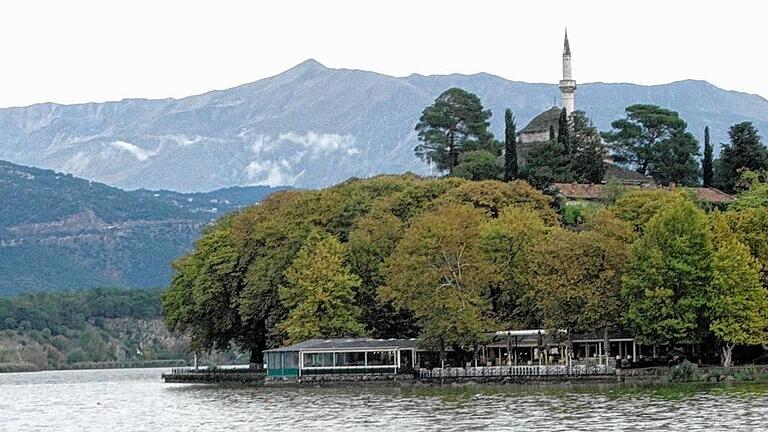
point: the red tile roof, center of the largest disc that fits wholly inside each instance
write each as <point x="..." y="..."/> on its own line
<point x="588" y="191"/>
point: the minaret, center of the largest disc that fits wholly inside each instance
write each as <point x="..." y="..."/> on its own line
<point x="567" y="84"/>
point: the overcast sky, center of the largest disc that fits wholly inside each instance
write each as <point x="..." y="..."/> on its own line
<point x="80" y="51"/>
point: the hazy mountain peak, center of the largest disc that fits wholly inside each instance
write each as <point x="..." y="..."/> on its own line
<point x="307" y="65"/>
<point x="309" y="126"/>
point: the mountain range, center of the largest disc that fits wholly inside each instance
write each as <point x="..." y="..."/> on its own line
<point x="310" y="126"/>
<point x="58" y="231"/>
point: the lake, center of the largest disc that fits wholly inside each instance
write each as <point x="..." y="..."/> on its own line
<point x="137" y="400"/>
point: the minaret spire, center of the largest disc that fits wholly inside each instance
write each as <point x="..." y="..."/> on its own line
<point x="567" y="84"/>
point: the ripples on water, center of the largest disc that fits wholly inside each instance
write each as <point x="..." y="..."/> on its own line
<point x="136" y="400"/>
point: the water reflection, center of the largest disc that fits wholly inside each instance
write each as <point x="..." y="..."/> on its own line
<point x="137" y="400"/>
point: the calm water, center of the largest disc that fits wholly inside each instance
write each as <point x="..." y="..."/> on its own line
<point x="136" y="400"/>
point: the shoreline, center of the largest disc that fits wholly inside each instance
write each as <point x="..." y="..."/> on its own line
<point x="680" y="374"/>
<point x="148" y="364"/>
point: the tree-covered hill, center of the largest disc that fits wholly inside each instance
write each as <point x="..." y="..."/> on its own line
<point x="447" y="259"/>
<point x="59" y="231"/>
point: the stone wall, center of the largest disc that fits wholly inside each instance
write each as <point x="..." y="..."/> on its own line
<point x="340" y="378"/>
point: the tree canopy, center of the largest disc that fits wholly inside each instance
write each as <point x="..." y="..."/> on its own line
<point x="669" y="270"/>
<point x="654" y="141"/>
<point x="319" y="292"/>
<point x="456" y="122"/>
<point x="439" y="272"/>
<point x="737" y="303"/>
<point x="745" y="151"/>
<point x="478" y="165"/>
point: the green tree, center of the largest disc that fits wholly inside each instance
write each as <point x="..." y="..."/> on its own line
<point x="756" y="194"/>
<point x="670" y="268"/>
<point x="577" y="277"/>
<point x="586" y="148"/>
<point x="478" y="165"/>
<point x="674" y="160"/>
<point x="750" y="225"/>
<point x="455" y="123"/>
<point x="547" y="163"/>
<point x="737" y="302"/>
<point x="637" y="207"/>
<point x="370" y="243"/>
<point x="319" y="292"/>
<point x="745" y="151"/>
<point x="492" y="197"/>
<point x="563" y="131"/>
<point x="510" y="146"/>
<point x="706" y="163"/>
<point x="508" y="241"/>
<point x="634" y="139"/>
<point x="204" y="286"/>
<point x="439" y="271"/>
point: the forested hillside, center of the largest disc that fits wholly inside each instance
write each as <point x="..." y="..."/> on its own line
<point x="59" y="231"/>
<point x="67" y="329"/>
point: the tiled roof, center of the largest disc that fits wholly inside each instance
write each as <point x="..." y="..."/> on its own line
<point x="712" y="195"/>
<point x="350" y="343"/>
<point x="543" y="121"/>
<point x="616" y="172"/>
<point x="587" y="191"/>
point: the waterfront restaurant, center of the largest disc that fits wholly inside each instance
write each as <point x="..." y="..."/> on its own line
<point x="539" y="346"/>
<point x="342" y="356"/>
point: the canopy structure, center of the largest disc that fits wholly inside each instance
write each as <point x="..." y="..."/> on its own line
<point x="342" y="356"/>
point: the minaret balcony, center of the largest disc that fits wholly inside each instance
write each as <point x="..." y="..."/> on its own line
<point x="566" y="85"/>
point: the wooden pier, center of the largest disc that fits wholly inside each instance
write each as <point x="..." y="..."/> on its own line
<point x="214" y="376"/>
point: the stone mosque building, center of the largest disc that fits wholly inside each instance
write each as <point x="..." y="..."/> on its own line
<point x="537" y="131"/>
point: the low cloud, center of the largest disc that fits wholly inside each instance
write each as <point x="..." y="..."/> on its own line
<point x="313" y="142"/>
<point x="270" y="173"/>
<point x="135" y="151"/>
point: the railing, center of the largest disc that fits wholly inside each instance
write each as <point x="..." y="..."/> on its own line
<point x="215" y="371"/>
<point x="350" y="370"/>
<point x="518" y="371"/>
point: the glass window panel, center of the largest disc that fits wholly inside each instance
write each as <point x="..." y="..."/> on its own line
<point x="318" y="359"/>
<point x="273" y="360"/>
<point x="350" y="359"/>
<point x="291" y="359"/>
<point x="381" y="358"/>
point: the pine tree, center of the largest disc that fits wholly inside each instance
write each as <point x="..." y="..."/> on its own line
<point x="675" y="160"/>
<point x="635" y="139"/>
<point x="706" y="163"/>
<point x="563" y="131"/>
<point x="454" y="124"/>
<point x="510" y="146"/>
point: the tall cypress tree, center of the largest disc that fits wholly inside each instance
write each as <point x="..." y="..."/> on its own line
<point x="563" y="134"/>
<point x="706" y="164"/>
<point x="551" y="133"/>
<point x="510" y="146"/>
